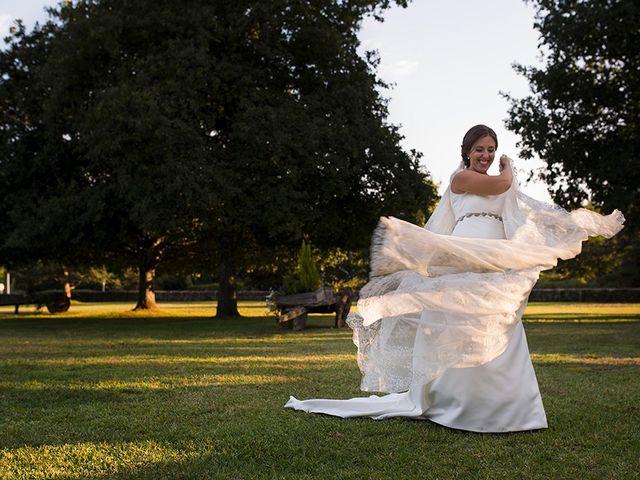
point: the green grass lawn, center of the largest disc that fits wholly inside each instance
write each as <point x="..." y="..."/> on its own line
<point x="101" y="392"/>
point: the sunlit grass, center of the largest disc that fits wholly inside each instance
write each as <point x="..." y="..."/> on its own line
<point x="90" y="460"/>
<point x="534" y="310"/>
<point x="584" y="359"/>
<point x="125" y="309"/>
<point x="103" y="392"/>
<point x="562" y="308"/>
<point x="581" y="312"/>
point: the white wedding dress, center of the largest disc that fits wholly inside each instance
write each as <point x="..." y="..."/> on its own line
<point x="439" y="324"/>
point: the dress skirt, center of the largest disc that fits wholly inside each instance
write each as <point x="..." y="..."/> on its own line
<point x="500" y="395"/>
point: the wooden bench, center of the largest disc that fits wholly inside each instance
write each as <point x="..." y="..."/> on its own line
<point x="294" y="308"/>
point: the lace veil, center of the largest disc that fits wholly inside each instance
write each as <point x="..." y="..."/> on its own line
<point x="435" y="301"/>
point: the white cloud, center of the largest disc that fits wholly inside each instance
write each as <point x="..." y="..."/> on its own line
<point x="5" y="23"/>
<point x="369" y="43"/>
<point x="399" y="68"/>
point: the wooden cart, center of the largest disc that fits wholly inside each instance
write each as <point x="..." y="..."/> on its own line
<point x="56" y="302"/>
<point x="294" y="308"/>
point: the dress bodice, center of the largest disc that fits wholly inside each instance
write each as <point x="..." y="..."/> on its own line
<point x="478" y="216"/>
<point x="464" y="203"/>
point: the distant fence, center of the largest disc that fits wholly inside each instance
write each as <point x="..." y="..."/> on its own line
<point x="163" y="295"/>
<point x="596" y="295"/>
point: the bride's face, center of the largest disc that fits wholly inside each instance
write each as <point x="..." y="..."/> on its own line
<point x="482" y="154"/>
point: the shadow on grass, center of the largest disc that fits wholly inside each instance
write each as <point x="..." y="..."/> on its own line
<point x="195" y="397"/>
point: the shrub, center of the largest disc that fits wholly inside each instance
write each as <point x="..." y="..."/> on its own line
<point x="307" y="270"/>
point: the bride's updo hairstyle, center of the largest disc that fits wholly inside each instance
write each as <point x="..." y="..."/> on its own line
<point x="471" y="137"/>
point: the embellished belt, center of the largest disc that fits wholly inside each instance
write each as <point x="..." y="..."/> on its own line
<point x="478" y="214"/>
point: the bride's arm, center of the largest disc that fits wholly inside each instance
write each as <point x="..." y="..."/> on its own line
<point x="468" y="181"/>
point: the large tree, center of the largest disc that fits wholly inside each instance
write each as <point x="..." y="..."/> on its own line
<point x="100" y="148"/>
<point x="162" y="128"/>
<point x="582" y="117"/>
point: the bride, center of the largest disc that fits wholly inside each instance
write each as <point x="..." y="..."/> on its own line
<point x="439" y="325"/>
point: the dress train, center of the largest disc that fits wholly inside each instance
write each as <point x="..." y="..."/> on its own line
<point x="462" y="398"/>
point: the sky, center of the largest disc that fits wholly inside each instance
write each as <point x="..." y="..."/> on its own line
<point x="447" y="61"/>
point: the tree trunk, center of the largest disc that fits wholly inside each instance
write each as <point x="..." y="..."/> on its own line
<point x="146" y="294"/>
<point x="227" y="291"/>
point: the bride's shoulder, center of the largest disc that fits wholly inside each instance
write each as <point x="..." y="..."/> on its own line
<point x="458" y="179"/>
<point x="480" y="183"/>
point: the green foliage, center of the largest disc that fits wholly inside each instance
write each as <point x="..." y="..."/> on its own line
<point x="593" y="267"/>
<point x="40" y="276"/>
<point x="44" y="275"/>
<point x="598" y="265"/>
<point x="336" y="267"/>
<point x="171" y="282"/>
<point x="343" y="268"/>
<point x="95" y="277"/>
<point x="582" y="117"/>
<point x="140" y="132"/>
<point x="290" y="284"/>
<point x="307" y="270"/>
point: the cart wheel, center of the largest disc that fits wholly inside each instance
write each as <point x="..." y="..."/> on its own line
<point x="58" y="303"/>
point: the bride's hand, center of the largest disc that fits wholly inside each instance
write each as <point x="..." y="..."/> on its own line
<point x="505" y="162"/>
